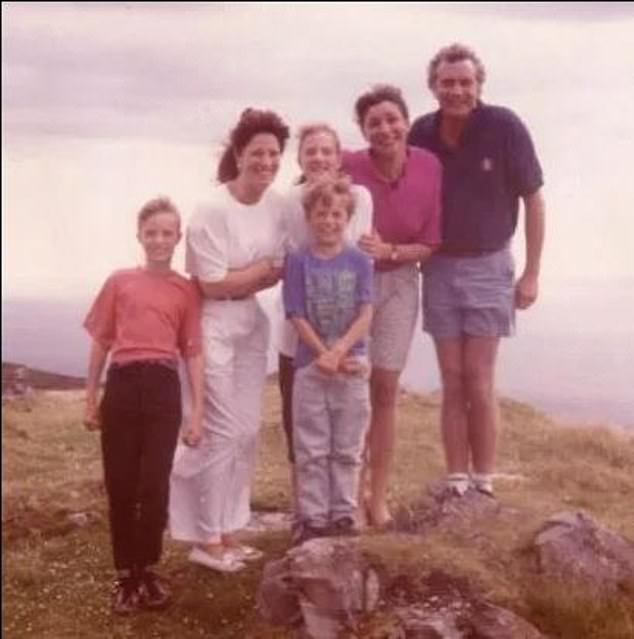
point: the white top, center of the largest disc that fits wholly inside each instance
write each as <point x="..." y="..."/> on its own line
<point x="297" y="236"/>
<point x="226" y="234"/>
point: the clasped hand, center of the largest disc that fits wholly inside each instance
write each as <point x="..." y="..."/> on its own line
<point x="334" y="361"/>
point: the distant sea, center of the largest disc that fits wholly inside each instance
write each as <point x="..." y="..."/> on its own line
<point x="572" y="356"/>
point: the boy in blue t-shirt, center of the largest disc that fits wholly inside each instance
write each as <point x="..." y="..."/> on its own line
<point x="328" y="297"/>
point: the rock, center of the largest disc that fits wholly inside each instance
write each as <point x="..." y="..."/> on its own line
<point x="572" y="546"/>
<point x="324" y="582"/>
<point x="320" y="588"/>
<point x="278" y="598"/>
<point x="446" y="607"/>
<point x="464" y="620"/>
<point x="447" y="510"/>
<point x="493" y="622"/>
<point x="428" y="625"/>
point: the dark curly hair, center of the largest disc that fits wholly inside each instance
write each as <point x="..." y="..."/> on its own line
<point x="379" y="93"/>
<point x="252" y="122"/>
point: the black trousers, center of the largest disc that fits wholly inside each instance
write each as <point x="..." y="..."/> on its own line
<point x="141" y="417"/>
<point x="285" y="377"/>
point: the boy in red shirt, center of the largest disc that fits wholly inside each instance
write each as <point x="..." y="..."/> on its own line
<point x="143" y="317"/>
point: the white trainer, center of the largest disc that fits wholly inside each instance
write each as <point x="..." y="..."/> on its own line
<point x="226" y="563"/>
<point x="246" y="553"/>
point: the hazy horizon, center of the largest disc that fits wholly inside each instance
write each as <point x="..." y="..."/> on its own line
<point x="579" y="372"/>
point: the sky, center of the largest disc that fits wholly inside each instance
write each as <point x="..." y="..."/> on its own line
<point x="106" y="105"/>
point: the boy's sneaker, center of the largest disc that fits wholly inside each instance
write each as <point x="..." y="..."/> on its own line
<point x="305" y="532"/>
<point x="154" y="593"/>
<point x="125" y="595"/>
<point x="345" y="527"/>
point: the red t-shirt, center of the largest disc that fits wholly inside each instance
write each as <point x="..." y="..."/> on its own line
<point x="141" y="315"/>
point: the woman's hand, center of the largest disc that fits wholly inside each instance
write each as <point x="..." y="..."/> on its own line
<point x="374" y="246"/>
<point x="272" y="275"/>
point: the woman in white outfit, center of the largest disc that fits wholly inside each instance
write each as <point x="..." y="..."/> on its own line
<point x="234" y="250"/>
<point x="319" y="156"/>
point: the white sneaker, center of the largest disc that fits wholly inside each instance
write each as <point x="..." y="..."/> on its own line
<point x="246" y="553"/>
<point x="227" y="563"/>
<point x="457" y="484"/>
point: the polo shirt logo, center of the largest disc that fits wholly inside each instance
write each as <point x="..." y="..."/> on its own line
<point x="487" y="164"/>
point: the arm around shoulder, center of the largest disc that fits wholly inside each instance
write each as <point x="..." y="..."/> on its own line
<point x="244" y="281"/>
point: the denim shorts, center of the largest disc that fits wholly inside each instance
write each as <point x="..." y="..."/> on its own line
<point x="469" y="295"/>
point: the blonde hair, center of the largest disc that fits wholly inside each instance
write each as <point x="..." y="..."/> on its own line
<point x="313" y="128"/>
<point x="316" y="127"/>
<point x="154" y="206"/>
<point x="324" y="191"/>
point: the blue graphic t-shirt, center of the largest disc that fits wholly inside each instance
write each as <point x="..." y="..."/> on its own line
<point x="327" y="293"/>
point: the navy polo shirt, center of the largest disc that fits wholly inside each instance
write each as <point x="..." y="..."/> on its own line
<point x="493" y="165"/>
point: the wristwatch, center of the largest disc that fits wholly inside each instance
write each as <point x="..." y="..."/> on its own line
<point x="394" y="253"/>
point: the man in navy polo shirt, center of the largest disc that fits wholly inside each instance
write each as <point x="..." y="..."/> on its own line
<point x="469" y="288"/>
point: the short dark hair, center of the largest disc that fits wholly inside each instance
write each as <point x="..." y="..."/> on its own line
<point x="325" y="190"/>
<point x="455" y="53"/>
<point x="379" y="93"/>
<point x="160" y="204"/>
<point x="251" y="122"/>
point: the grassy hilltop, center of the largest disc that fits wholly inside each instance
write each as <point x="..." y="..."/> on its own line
<point x="57" y="573"/>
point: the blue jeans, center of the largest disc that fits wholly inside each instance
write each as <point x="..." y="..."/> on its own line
<point x="331" y="415"/>
<point x="140" y="421"/>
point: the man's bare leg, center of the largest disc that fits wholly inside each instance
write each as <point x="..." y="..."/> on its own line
<point x="454" y="409"/>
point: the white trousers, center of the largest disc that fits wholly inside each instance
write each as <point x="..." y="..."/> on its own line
<point x="211" y="483"/>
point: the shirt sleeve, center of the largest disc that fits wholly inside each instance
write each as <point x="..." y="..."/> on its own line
<point x="207" y="246"/>
<point x="101" y="319"/>
<point x="190" y="333"/>
<point x="293" y="289"/>
<point x="524" y="168"/>
<point x="361" y="221"/>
